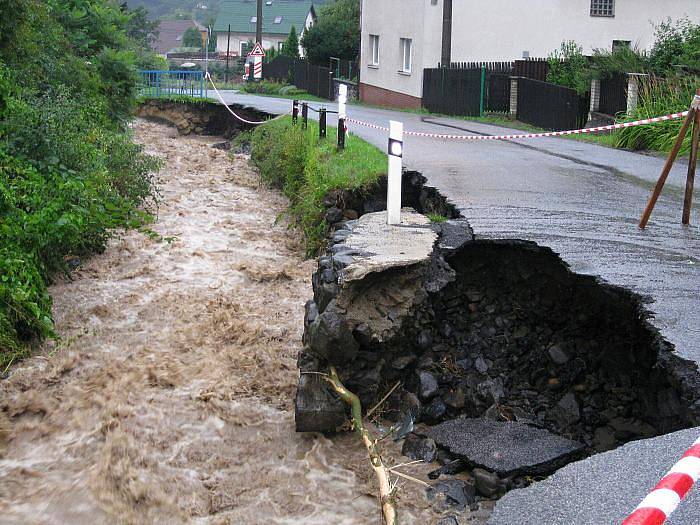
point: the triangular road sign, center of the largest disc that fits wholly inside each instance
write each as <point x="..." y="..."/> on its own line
<point x="257" y="51"/>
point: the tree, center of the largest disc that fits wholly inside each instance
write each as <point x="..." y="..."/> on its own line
<point x="676" y="44"/>
<point x="140" y="29"/>
<point x="192" y="38"/>
<point x="290" y="47"/>
<point x="336" y="33"/>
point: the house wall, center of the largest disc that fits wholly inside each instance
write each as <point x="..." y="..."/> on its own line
<point x="494" y="30"/>
<point x="236" y="39"/>
<point x="392" y="20"/>
<point x="500" y="30"/>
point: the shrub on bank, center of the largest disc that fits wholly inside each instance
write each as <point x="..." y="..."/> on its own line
<point x="307" y="168"/>
<point x="69" y="171"/>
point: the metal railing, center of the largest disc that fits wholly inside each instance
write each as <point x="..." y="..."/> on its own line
<point x="155" y="83"/>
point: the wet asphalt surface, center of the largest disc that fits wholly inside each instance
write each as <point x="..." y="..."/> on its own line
<point x="583" y="201"/>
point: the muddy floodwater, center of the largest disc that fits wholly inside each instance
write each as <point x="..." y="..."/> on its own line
<point x="168" y="398"/>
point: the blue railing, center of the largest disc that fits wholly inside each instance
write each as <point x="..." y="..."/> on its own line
<point x="153" y="83"/>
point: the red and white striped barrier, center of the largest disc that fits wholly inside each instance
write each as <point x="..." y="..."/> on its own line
<point x="668" y="493"/>
<point x="672" y="116"/>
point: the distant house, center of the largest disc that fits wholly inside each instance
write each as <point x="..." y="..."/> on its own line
<point x="278" y="18"/>
<point x="402" y="37"/>
<point x="171" y="32"/>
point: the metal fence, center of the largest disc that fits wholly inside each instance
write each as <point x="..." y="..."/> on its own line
<point x="155" y="83"/>
<point x="550" y="106"/>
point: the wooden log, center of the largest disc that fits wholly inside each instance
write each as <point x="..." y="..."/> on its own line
<point x="692" y="163"/>
<point x="667" y="169"/>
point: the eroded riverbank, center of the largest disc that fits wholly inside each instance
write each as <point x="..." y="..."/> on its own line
<point x="169" y="397"/>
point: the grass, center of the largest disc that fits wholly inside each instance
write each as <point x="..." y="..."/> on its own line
<point x="307" y="168"/>
<point x="437" y="218"/>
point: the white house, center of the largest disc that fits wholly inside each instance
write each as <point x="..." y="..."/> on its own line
<point x="402" y="37"/>
<point x="278" y="18"/>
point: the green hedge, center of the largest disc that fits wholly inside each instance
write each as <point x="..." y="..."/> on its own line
<point x="306" y="169"/>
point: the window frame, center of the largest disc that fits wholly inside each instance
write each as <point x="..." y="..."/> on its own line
<point x="406" y="44"/>
<point x="603" y="8"/>
<point x="374" y="50"/>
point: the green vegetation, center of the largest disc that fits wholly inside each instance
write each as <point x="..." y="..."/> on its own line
<point x="437" y="218"/>
<point x="280" y="90"/>
<point x="336" y="33"/>
<point x="290" y="47"/>
<point x="658" y="96"/>
<point x="568" y="67"/>
<point x="69" y="172"/>
<point x="192" y="38"/>
<point x="307" y="168"/>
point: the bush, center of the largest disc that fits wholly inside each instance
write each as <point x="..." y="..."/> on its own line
<point x="306" y="169"/>
<point x="677" y="44"/>
<point x="569" y="67"/>
<point x="659" y="96"/>
<point x="69" y="172"/>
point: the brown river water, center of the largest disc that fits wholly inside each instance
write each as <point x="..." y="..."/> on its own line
<point x="169" y="396"/>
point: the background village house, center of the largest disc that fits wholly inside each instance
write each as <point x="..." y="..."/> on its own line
<point x="278" y="18"/>
<point x="400" y="38"/>
<point x="171" y="33"/>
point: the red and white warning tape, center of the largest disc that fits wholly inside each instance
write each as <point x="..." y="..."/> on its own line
<point x="663" y="500"/>
<point x="598" y="129"/>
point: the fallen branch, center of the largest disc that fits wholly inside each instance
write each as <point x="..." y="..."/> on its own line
<point x="385" y="489"/>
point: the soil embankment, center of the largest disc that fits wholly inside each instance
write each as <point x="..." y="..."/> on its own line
<point x="169" y="396"/>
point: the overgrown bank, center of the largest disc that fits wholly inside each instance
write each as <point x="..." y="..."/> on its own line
<point x="307" y="169"/>
<point x="69" y="171"/>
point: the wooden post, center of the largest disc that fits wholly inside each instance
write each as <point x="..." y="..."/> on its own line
<point x="667" y="168"/>
<point x="692" y="163"/>
<point x="322" y="123"/>
<point x="295" y="111"/>
<point x="304" y="115"/>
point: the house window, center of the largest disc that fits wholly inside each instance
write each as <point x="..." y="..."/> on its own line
<point x="253" y="19"/>
<point x="406" y="44"/>
<point x="278" y="20"/>
<point x="621" y="44"/>
<point x="602" y="7"/>
<point x="374" y="45"/>
<point x="244" y="49"/>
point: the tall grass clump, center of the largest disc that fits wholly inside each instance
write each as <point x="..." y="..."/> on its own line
<point x="307" y="168"/>
<point x="659" y="96"/>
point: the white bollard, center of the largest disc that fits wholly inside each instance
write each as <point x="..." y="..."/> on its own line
<point x="393" y="193"/>
<point x="342" y="100"/>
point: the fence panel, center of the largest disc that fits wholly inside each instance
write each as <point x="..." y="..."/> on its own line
<point x="550" y="106"/>
<point x="497" y="92"/>
<point x="279" y="69"/>
<point x="613" y="94"/>
<point x="535" y="69"/>
<point x="155" y="83"/>
<point x="452" y="91"/>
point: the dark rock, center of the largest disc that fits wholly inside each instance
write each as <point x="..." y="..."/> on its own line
<point x="448" y="520"/>
<point x="487" y="483"/>
<point x="350" y="214"/>
<point x="425" y="340"/>
<point x="428" y="385"/>
<point x="604" y="439"/>
<point x="410" y="404"/>
<point x="330" y="338"/>
<point x="480" y="365"/>
<point x="505" y="447"/>
<point x="628" y="428"/>
<point x="310" y="312"/>
<point x="458" y="493"/>
<point x="416" y="447"/>
<point x="455" y="398"/>
<point x="334" y="215"/>
<point x="329" y="276"/>
<point x="362" y="334"/>
<point x="435" y="410"/>
<point x="330" y="200"/>
<point x="342" y="260"/>
<point x="448" y="469"/>
<point x="316" y="409"/>
<point x="557" y="355"/>
<point x="325" y="262"/>
<point x="403" y="361"/>
<point x="567" y="411"/>
<point x="406" y="426"/>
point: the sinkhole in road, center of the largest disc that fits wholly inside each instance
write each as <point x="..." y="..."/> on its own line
<point x="517" y="336"/>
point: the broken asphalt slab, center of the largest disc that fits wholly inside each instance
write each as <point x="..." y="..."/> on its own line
<point x="504" y="447"/>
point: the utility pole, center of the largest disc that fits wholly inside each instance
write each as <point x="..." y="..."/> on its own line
<point x="228" y="49"/>
<point x="446" y="55"/>
<point x="259" y="23"/>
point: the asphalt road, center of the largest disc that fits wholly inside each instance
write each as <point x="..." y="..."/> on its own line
<point x="583" y="201"/>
